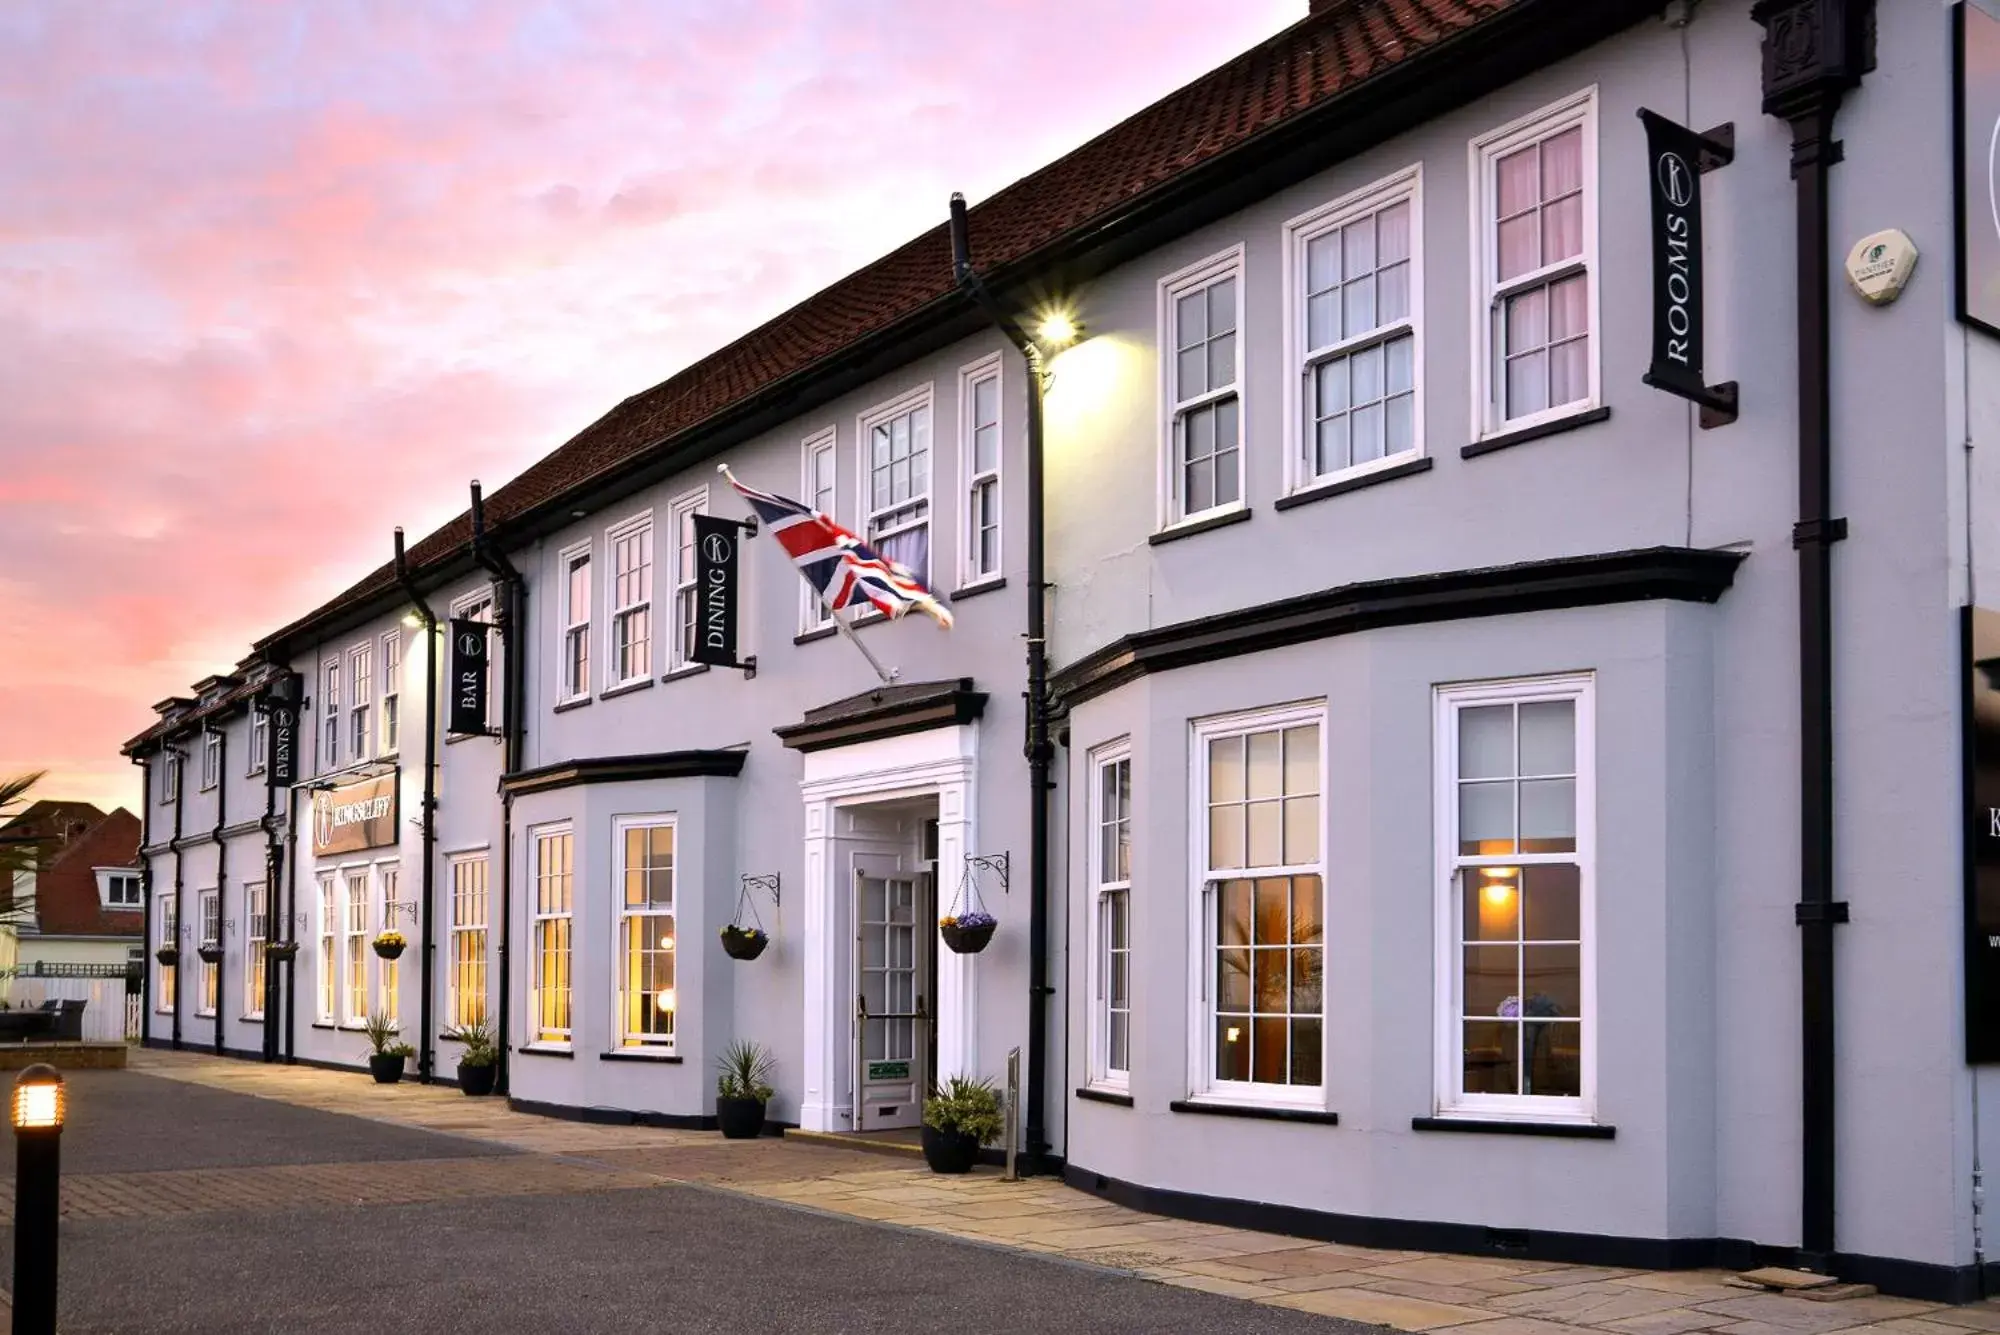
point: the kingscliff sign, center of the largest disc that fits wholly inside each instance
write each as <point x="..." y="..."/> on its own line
<point x="355" y="816"/>
<point x="1981" y="706"/>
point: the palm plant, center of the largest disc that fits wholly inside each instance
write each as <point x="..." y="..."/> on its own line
<point x="18" y="853"/>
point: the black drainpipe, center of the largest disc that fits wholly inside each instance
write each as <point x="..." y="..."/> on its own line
<point x="180" y="922"/>
<point x="1039" y="751"/>
<point x="145" y="898"/>
<point x="511" y="618"/>
<point x="292" y="901"/>
<point x="221" y="874"/>
<point x="1814" y="52"/>
<point x="426" y="1055"/>
<point x="273" y="868"/>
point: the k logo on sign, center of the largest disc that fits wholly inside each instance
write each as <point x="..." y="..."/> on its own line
<point x="1676" y="180"/>
<point x="715" y="547"/>
<point x="469" y="645"/>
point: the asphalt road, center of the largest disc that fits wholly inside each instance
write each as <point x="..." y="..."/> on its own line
<point x="668" y="1259"/>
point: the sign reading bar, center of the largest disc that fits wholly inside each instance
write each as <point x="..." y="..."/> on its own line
<point x="281" y="762"/>
<point x="1982" y="834"/>
<point x="1676" y="157"/>
<point x="467" y="714"/>
<point x="715" y="546"/>
<point x="355" y="816"/>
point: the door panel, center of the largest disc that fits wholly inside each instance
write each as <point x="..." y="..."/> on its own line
<point x="892" y="1019"/>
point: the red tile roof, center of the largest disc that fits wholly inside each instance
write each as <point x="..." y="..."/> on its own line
<point x="1341" y="45"/>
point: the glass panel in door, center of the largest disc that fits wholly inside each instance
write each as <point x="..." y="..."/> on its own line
<point x="892" y="939"/>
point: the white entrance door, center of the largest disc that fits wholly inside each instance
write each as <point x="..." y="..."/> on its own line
<point x="891" y="1012"/>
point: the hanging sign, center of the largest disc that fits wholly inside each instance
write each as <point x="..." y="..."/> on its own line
<point x="467" y="714"/>
<point x="355" y="816"/>
<point x="715" y="574"/>
<point x="1676" y="157"/>
<point x="1981" y="667"/>
<point x="281" y="761"/>
<point x="1976" y="126"/>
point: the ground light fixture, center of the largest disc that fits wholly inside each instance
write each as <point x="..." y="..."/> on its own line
<point x="38" y="1109"/>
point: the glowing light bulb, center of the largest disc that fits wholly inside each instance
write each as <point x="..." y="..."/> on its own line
<point x="1057" y="329"/>
<point x="1498" y="894"/>
<point x="665" y="1000"/>
<point x="1235" y="1033"/>
<point x="666" y="943"/>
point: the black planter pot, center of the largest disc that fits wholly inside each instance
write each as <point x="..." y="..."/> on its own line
<point x="950" y="1151"/>
<point x="742" y="946"/>
<point x="477" y="1081"/>
<point x="386" y="1069"/>
<point x="210" y="954"/>
<point x="167" y="956"/>
<point x="740" y="1119"/>
<point x="389" y="952"/>
<point x="282" y="950"/>
<point x="967" y="940"/>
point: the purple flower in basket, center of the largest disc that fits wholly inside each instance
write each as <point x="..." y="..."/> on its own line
<point x="1511" y="1008"/>
<point x="970" y="921"/>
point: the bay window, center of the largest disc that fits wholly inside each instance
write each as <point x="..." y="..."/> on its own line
<point x="1258" y="835"/>
<point x="647" y="998"/>
<point x="1516" y="848"/>
<point x="551" y="940"/>
<point x="1111" y="918"/>
<point x="1201" y="309"/>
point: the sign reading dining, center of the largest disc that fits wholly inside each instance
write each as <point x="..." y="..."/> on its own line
<point x="715" y="591"/>
<point x="355" y="816"/>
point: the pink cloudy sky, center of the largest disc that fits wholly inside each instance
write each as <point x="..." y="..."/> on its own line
<point x="275" y="277"/>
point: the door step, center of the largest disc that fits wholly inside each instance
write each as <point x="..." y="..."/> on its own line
<point x="885" y="1143"/>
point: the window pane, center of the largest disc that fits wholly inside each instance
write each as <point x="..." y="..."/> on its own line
<point x="1222" y="307"/>
<point x="1519" y="251"/>
<point x="1357" y="244"/>
<point x="1232" y="1047"/>
<point x="1400" y="432"/>
<point x="1486" y="742"/>
<point x="1117" y="1057"/>
<point x="1222" y="362"/>
<point x="1402" y="369"/>
<point x="1266" y="775"/>
<point x="1492" y="903"/>
<point x="1528" y="320"/>
<point x="1569" y="307"/>
<point x="1274" y="902"/>
<point x="1269" y="1048"/>
<point x="1232" y="980"/>
<point x="1357" y="301"/>
<point x="1491" y="1060"/>
<point x="1225" y="769"/>
<point x="1306" y="981"/>
<point x="1562" y="163"/>
<point x="1226" y="480"/>
<point x="1392" y="235"/>
<point x="1333" y="449"/>
<point x="1492" y="985"/>
<point x="1301" y="830"/>
<point x="1200" y="485"/>
<point x="1392" y="294"/>
<point x="1367" y="366"/>
<point x="1367" y="431"/>
<point x="1552" y="981"/>
<point x="1322" y="262"/>
<point x="1266" y="821"/>
<point x="1272" y="987"/>
<point x="1191" y="377"/>
<point x="1235" y="924"/>
<point x="1528" y="384"/>
<point x="1548" y="815"/>
<point x="1306" y="914"/>
<point x="1569" y="372"/>
<point x="1485" y="818"/>
<point x="1330" y="386"/>
<point x="1322" y="319"/>
<point x="1552" y="893"/>
<point x="1226" y="440"/>
<point x="1548" y="737"/>
<point x="1306" y="1044"/>
<point x="1562" y="230"/>
<point x="1518" y="175"/>
<point x="1555" y="1059"/>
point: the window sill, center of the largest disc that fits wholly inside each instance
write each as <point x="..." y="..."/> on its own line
<point x="625" y="688"/>
<point x="1187" y="528"/>
<point x="249" y="1019"/>
<point x="1499" y="1127"/>
<point x="454" y="738"/>
<point x="565" y="705"/>
<point x="991" y="584"/>
<point x="682" y="673"/>
<point x="1341" y="486"/>
<point x="530" y="1050"/>
<point x="639" y="1055"/>
<point x="1264" y="1112"/>
<point x="818" y="633"/>
<point x="322" y="1024"/>
<point x="1588" y="417"/>
<point x="204" y="1015"/>
<point x="1110" y="1096"/>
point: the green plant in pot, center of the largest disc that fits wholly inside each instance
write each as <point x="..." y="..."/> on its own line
<point x="742" y="1089"/>
<point x="479" y="1063"/>
<point x="962" y="1116"/>
<point x="385" y="1062"/>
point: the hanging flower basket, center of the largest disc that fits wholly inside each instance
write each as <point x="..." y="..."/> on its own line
<point x="390" y="945"/>
<point x="209" y="954"/>
<point x="281" y="950"/>
<point x="968" y="932"/>
<point x="168" y="956"/>
<point x="744" y="943"/>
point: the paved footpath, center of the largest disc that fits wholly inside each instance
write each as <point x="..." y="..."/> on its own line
<point x="514" y="1154"/>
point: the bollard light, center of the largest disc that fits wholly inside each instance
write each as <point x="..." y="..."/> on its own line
<point x="40" y="1102"/>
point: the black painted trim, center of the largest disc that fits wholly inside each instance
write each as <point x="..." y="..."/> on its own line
<point x="627" y="769"/>
<point x="823" y="633"/>
<point x="1345" y="485"/>
<point x="1681" y="573"/>
<point x="974" y="590"/>
<point x="950" y="704"/>
<point x="565" y="1054"/>
<point x="658" y="1058"/>
<point x="1539" y="431"/>
<point x="624" y="688"/>
<point x="1312" y="1116"/>
<point x="1495" y="1127"/>
<point x="1908" y="1279"/>
<point x="683" y="673"/>
<point x="568" y="705"/>
<point x="564" y="1112"/>
<point x="1179" y="531"/>
<point x="1104" y="1096"/>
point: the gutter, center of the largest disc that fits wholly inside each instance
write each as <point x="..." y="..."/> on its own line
<point x="145" y="895"/>
<point x="1038" y="749"/>
<point x="1814" y="52"/>
<point x="180" y="923"/>
<point x="221" y="873"/>
<point x="426" y="1058"/>
<point x="510" y="621"/>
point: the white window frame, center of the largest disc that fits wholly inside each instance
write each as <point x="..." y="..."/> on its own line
<point x="328" y="952"/>
<point x="211" y="758"/>
<point x="387" y="884"/>
<point x="813" y="613"/>
<point x="558" y="1037"/>
<point x="355" y="935"/>
<point x="970" y="378"/>
<point x="1488" y="377"/>
<point x="260" y="740"/>
<point x="574" y="680"/>
<point x="639" y="527"/>
<point x="1103" y="1075"/>
<point x="1205" y="273"/>
<point x="1301" y="357"/>
<point x="685" y="599"/>
<point x="256" y="939"/>
<point x="622" y="915"/>
<point x="922" y="397"/>
<point x="390" y="712"/>
<point x="330" y="715"/>
<point x="361" y="699"/>
<point x="1449" y="1076"/>
<point x="471" y="907"/>
<point x="208" y="916"/>
<point x="170" y="777"/>
<point x="1202" y="1083"/>
<point x="166" y="979"/>
<point x="479" y="606"/>
<point x="107" y="883"/>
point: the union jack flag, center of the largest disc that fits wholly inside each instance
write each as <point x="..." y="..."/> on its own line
<point x="845" y="571"/>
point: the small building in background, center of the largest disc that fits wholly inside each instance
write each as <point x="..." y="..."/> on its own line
<point x="81" y="903"/>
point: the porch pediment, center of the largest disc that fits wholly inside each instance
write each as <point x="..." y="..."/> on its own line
<point x="885" y="711"/>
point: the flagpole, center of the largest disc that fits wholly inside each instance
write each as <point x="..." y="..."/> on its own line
<point x="887" y="675"/>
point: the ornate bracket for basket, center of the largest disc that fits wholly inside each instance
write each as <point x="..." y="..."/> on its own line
<point x="391" y="907"/>
<point x="994" y="863"/>
<point x="767" y="883"/>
